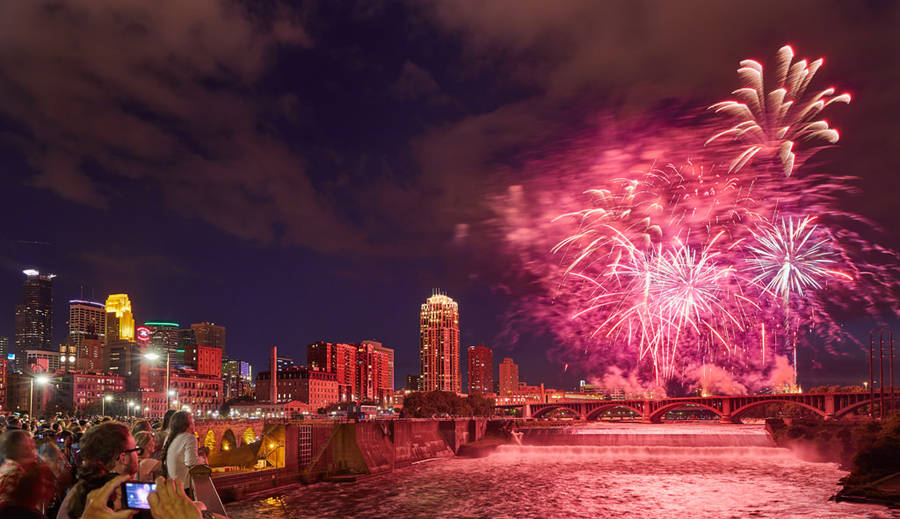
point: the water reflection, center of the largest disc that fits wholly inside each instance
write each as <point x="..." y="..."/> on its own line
<point x="583" y="481"/>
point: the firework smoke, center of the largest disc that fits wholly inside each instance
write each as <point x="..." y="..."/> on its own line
<point x="650" y="255"/>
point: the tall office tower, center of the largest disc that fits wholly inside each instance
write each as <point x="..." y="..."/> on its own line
<point x="119" y="319"/>
<point x="86" y="319"/>
<point x="34" y="317"/>
<point x="126" y="359"/>
<point x="364" y="385"/>
<point x="385" y="359"/>
<point x="481" y="370"/>
<point x="4" y="348"/>
<point x="509" y="377"/>
<point x="209" y="334"/>
<point x="413" y="383"/>
<point x="439" y="344"/>
<point x="164" y="338"/>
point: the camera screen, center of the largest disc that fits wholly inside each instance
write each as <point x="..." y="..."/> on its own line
<point x="136" y="494"/>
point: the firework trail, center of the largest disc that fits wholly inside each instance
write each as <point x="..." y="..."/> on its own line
<point x="772" y="123"/>
<point x="671" y="254"/>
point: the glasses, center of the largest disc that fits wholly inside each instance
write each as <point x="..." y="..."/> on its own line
<point x="138" y="450"/>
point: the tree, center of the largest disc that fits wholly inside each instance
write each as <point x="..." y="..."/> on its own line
<point x="420" y="404"/>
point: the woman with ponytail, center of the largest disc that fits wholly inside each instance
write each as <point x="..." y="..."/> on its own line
<point x="179" y="453"/>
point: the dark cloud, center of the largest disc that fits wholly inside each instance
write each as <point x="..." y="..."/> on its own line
<point x="161" y="93"/>
<point x="630" y="57"/>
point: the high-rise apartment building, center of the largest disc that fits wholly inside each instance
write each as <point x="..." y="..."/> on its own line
<point x="119" y="319"/>
<point x="385" y="359"/>
<point x="481" y="370"/>
<point x="509" y="377"/>
<point x="439" y="344"/>
<point x="86" y="319"/>
<point x="34" y="316"/>
<point x="4" y="347"/>
<point x="209" y="334"/>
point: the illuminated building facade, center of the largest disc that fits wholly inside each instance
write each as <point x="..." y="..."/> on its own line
<point x="283" y="362"/>
<point x="89" y="388"/>
<point x="413" y="383"/>
<point x="3" y="383"/>
<point x="364" y="371"/>
<point x="126" y="359"/>
<point x="34" y="316"/>
<point x="385" y="360"/>
<point x="164" y="337"/>
<point x="209" y="334"/>
<point x="119" y="319"/>
<point x="4" y="347"/>
<point x="237" y="378"/>
<point x="194" y="392"/>
<point x="509" y="377"/>
<point x="89" y="356"/>
<point x="317" y="389"/>
<point x="439" y="344"/>
<point x="41" y="361"/>
<point x="209" y="361"/>
<point x="86" y="319"/>
<point x="337" y="358"/>
<point x="481" y="370"/>
<point x="67" y="357"/>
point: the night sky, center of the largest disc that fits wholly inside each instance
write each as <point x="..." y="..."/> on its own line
<point x="297" y="172"/>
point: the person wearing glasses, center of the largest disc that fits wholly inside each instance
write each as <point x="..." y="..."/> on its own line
<point x="108" y="450"/>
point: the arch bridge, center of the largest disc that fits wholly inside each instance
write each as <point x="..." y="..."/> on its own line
<point x="729" y="409"/>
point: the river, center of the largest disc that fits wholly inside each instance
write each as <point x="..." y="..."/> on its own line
<point x="705" y="471"/>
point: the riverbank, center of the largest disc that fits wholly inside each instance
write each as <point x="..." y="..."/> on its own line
<point x="870" y="450"/>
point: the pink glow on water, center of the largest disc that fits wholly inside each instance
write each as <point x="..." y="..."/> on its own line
<point x="639" y="481"/>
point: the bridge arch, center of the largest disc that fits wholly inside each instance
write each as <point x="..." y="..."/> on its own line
<point x="547" y="409"/>
<point x="228" y="440"/>
<point x="867" y="401"/>
<point x="657" y="415"/>
<point x="739" y="412"/>
<point x="594" y="413"/>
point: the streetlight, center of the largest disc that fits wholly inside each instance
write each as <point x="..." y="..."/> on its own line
<point x="40" y="379"/>
<point x="155" y="356"/>
<point x="104" y="400"/>
<point x="130" y="407"/>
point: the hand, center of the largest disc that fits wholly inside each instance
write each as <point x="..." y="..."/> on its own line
<point x="96" y="505"/>
<point x="170" y="502"/>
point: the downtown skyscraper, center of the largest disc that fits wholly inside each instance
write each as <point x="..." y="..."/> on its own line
<point x="87" y="319"/>
<point x="34" y="316"/>
<point x="439" y="344"/>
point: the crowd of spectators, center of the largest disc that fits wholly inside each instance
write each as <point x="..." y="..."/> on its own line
<point x="71" y="468"/>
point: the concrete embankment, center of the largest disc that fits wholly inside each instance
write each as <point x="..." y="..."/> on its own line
<point x="344" y="451"/>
